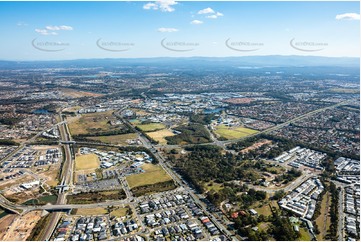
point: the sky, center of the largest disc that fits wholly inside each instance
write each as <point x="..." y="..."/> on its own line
<point x="168" y="28"/>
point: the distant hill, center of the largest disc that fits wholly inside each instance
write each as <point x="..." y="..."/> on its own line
<point x="245" y="61"/>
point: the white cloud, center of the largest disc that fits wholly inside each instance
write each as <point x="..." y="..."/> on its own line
<point x="348" y="16"/>
<point x="162" y="5"/>
<point x="167" y="30"/>
<point x="150" y="6"/>
<point x="197" y="22"/>
<point x="214" y="16"/>
<point x="50" y="30"/>
<point x="62" y="27"/>
<point x="45" y="32"/>
<point x="206" y="11"/>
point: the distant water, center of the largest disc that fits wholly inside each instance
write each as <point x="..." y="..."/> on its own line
<point x="210" y="111"/>
<point x="41" y="111"/>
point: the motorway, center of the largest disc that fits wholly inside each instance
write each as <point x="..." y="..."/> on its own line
<point x="66" y="177"/>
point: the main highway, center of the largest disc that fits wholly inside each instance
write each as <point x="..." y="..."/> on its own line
<point x="65" y="177"/>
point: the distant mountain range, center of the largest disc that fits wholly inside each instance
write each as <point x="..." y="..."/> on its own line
<point x="245" y="61"/>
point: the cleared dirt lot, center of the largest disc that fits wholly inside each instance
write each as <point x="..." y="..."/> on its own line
<point x="20" y="227"/>
<point x="5" y="222"/>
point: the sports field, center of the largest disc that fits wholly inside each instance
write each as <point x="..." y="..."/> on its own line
<point x="84" y="162"/>
<point x="233" y="132"/>
<point x="153" y="174"/>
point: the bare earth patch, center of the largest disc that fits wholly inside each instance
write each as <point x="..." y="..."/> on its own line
<point x="22" y="226"/>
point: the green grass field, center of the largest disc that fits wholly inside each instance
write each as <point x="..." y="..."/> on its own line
<point x="233" y="132"/>
<point x="151" y="127"/>
<point x="265" y="209"/>
<point x="305" y="236"/>
<point x="42" y="200"/>
<point x="115" y="139"/>
<point x="153" y="174"/>
<point x="84" y="162"/>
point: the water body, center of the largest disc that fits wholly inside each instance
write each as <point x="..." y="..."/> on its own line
<point x="211" y="111"/>
<point x="3" y="213"/>
<point x="41" y="111"/>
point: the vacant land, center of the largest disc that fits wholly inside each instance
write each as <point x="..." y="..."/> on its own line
<point x="153" y="174"/>
<point x="323" y="221"/>
<point x="92" y="124"/>
<point x="120" y="212"/>
<point x="151" y="127"/>
<point x="5" y="223"/>
<point x="213" y="186"/>
<point x="233" y="132"/>
<point x="95" y="197"/>
<point x="120" y="139"/>
<point x="256" y="145"/>
<point x="160" y="135"/>
<point x="84" y="162"/>
<point x="73" y="109"/>
<point x="91" y="211"/>
<point x="189" y="134"/>
<point x="49" y="174"/>
<point x="42" y="200"/>
<point x="265" y="209"/>
<point x="22" y="226"/>
<point x="76" y="93"/>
